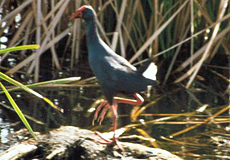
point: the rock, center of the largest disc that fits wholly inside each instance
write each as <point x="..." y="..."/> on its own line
<point x="68" y="142"/>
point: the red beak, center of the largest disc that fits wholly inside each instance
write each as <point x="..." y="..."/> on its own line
<point x="78" y="13"/>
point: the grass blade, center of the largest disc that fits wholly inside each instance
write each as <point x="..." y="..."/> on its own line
<point x="57" y="81"/>
<point x="18" y="111"/>
<point x="210" y="44"/>
<point x="16" y="83"/>
<point x="154" y="36"/>
<point x="16" y="11"/>
<point x="19" y="48"/>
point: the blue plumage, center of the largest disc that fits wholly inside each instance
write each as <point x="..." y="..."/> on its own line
<point x="115" y="74"/>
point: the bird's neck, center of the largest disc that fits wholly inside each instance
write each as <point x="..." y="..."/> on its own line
<point x="92" y="32"/>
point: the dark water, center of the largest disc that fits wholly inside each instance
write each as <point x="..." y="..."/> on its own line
<point x="169" y="109"/>
<point x="208" y="141"/>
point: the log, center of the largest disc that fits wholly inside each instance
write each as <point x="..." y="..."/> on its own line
<point x="68" y="142"/>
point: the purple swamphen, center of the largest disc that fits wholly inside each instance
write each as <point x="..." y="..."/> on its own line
<point x="115" y="74"/>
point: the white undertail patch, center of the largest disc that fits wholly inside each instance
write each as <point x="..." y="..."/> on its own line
<point x="150" y="72"/>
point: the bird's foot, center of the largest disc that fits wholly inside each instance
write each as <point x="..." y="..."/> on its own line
<point x="106" y="106"/>
<point x="112" y="142"/>
<point x="103" y="107"/>
<point x="104" y="140"/>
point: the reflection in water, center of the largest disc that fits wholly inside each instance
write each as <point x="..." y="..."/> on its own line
<point x="5" y="130"/>
<point x="162" y="115"/>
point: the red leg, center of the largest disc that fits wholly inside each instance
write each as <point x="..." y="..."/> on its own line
<point x="138" y="101"/>
<point x="115" y="116"/>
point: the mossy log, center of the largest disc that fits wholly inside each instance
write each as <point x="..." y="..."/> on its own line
<point x="73" y="143"/>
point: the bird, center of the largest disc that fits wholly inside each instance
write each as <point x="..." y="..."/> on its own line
<point x="114" y="73"/>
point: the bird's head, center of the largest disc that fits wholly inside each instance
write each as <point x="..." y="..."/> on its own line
<point x="85" y="12"/>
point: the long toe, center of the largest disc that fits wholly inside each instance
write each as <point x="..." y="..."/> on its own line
<point x="103" y="112"/>
<point x="103" y="139"/>
<point x="102" y="104"/>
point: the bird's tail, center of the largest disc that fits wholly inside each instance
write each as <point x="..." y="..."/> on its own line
<point x="148" y="70"/>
